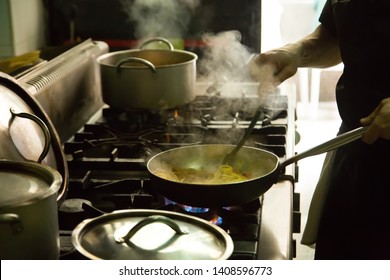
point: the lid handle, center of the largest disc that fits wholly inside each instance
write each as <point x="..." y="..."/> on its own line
<point x="42" y="125"/>
<point x="135" y="59"/>
<point x="152" y="219"/>
<point x="157" y="39"/>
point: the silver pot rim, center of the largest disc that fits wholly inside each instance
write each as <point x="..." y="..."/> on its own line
<point x="102" y="59"/>
<point x="31" y="182"/>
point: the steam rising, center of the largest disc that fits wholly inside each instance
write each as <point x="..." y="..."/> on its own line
<point x="165" y="18"/>
<point x="265" y="76"/>
<point x="225" y="58"/>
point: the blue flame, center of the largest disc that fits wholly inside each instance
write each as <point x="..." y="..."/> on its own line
<point x="195" y="209"/>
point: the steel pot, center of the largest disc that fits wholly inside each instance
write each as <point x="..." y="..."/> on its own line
<point x="148" y="79"/>
<point x="265" y="168"/>
<point x="151" y="235"/>
<point x="28" y="211"/>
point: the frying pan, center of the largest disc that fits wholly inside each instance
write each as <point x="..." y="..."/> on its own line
<point x="265" y="168"/>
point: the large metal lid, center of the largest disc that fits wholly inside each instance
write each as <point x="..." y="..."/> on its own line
<point x="151" y="235"/>
<point x="23" y="183"/>
<point x="22" y="139"/>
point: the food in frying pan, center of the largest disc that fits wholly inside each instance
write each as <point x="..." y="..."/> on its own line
<point x="223" y="175"/>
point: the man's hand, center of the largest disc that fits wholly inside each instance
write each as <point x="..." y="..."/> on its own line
<point x="272" y="68"/>
<point x="378" y="123"/>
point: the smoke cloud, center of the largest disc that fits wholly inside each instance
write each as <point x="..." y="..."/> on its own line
<point x="225" y="59"/>
<point x="165" y="18"/>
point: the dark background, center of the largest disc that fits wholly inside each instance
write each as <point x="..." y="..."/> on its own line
<point x="105" y="20"/>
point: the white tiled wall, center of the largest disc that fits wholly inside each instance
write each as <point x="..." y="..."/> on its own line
<point x="22" y="26"/>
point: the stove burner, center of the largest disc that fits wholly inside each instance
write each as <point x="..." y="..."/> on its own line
<point x="191" y="209"/>
<point x="173" y="137"/>
<point x="132" y="121"/>
<point x="204" y="213"/>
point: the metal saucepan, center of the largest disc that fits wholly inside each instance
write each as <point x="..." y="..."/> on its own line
<point x="28" y="210"/>
<point x="148" y="79"/>
<point x="140" y="234"/>
<point x="263" y="166"/>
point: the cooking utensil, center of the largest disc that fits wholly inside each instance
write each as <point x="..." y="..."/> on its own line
<point x="22" y="140"/>
<point x="28" y="140"/>
<point x="148" y="79"/>
<point x="151" y="234"/>
<point x="229" y="158"/>
<point x="264" y="166"/>
<point x="28" y="210"/>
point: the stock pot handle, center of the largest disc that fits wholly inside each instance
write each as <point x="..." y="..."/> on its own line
<point x="152" y="219"/>
<point x="135" y="59"/>
<point x="157" y="39"/>
<point x="42" y="125"/>
<point x="13" y="220"/>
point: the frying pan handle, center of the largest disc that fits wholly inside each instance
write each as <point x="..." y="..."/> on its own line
<point x="332" y="144"/>
<point x="152" y="219"/>
<point x="157" y="39"/>
<point x="137" y="60"/>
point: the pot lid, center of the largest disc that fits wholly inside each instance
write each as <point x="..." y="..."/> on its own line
<point x="23" y="139"/>
<point x="151" y="235"/>
<point x="23" y="183"/>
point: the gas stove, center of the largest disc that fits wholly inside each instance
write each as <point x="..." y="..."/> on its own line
<point x="107" y="161"/>
<point x="107" y="156"/>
